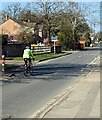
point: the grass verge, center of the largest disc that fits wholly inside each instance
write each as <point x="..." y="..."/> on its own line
<point x="41" y="57"/>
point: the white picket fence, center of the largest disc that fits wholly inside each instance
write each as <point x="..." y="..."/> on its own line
<point x="44" y="49"/>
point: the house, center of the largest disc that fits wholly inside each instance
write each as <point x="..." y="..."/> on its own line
<point x="10" y="28"/>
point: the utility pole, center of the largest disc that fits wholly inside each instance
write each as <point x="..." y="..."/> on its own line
<point x="54" y="39"/>
<point x="94" y="28"/>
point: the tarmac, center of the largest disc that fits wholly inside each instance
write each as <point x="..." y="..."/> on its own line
<point x="14" y="63"/>
<point x="81" y="100"/>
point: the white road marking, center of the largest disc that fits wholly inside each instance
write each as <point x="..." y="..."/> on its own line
<point x="92" y="62"/>
<point x="80" y="56"/>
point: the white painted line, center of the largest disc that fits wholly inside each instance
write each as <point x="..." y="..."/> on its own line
<point x="56" y="100"/>
<point x="80" y="56"/>
<point x="82" y="69"/>
<point x="92" y="62"/>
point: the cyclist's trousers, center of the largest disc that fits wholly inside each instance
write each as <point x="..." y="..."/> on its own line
<point x="27" y="60"/>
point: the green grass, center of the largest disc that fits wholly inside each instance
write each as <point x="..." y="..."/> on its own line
<point x="14" y="58"/>
<point x="47" y="56"/>
<point x="40" y="56"/>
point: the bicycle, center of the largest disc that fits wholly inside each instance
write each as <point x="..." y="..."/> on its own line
<point x="27" y="66"/>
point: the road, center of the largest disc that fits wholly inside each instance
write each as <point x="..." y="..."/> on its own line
<point x="22" y="96"/>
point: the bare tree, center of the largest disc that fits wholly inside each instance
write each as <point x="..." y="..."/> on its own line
<point x="56" y="17"/>
<point x="13" y="10"/>
<point x="47" y="12"/>
<point x="93" y="16"/>
<point x="25" y="35"/>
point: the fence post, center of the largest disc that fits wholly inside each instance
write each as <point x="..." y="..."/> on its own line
<point x="3" y="63"/>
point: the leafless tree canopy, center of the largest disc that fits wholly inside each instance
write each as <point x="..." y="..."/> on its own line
<point x="65" y="19"/>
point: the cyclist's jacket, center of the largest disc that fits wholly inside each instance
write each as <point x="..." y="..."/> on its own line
<point x="27" y="53"/>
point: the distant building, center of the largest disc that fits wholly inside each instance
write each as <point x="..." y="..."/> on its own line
<point x="10" y="28"/>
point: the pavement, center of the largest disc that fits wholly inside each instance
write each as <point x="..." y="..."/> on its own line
<point x="16" y="62"/>
<point x="81" y="100"/>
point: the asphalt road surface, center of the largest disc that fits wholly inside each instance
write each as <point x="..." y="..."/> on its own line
<point x="22" y="96"/>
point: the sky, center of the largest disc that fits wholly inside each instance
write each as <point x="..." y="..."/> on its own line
<point x="51" y="0"/>
<point x="94" y="5"/>
<point x="94" y="16"/>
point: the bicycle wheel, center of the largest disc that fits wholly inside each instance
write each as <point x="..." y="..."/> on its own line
<point x="31" y="68"/>
<point x="26" y="67"/>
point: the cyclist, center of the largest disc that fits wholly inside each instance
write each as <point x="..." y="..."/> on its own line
<point x="27" y="55"/>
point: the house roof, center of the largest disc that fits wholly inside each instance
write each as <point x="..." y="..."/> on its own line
<point x="10" y="27"/>
<point x="13" y="27"/>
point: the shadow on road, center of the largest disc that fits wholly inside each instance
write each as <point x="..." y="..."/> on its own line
<point x="49" y="72"/>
